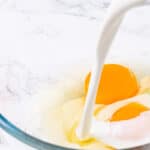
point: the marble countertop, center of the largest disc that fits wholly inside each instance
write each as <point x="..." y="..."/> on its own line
<point x="39" y="36"/>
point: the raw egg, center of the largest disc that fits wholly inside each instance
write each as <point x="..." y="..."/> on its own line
<point x="129" y="111"/>
<point x="117" y="83"/>
<point x="124" y="123"/>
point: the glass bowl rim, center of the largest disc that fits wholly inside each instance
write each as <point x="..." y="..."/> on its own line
<point x="26" y="138"/>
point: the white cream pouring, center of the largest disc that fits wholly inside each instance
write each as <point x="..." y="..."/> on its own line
<point x="109" y="28"/>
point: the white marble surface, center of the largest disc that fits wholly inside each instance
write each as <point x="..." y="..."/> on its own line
<point x="38" y="38"/>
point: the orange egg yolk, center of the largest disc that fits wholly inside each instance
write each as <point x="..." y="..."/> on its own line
<point x="128" y="112"/>
<point x="117" y="83"/>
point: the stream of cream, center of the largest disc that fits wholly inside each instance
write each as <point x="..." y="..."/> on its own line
<point x="108" y="31"/>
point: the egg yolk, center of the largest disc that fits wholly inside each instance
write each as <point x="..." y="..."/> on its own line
<point x="129" y="111"/>
<point x="117" y="83"/>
